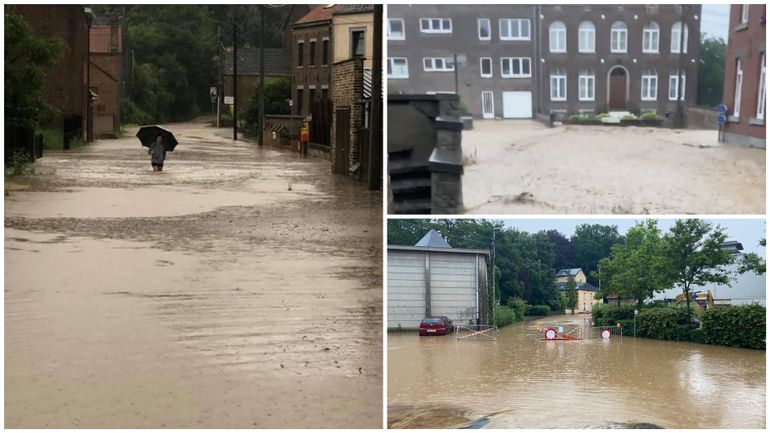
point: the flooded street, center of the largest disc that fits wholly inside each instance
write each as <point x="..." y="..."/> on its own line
<point x="241" y="287"/>
<point x="521" y="381"/>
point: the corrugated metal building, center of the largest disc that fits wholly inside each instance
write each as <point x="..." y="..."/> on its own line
<point x="434" y="279"/>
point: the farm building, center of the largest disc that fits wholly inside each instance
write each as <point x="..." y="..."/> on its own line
<point x="433" y="279"/>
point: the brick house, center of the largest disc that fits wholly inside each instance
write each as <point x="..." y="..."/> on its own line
<point x="352" y="30"/>
<point x="66" y="85"/>
<point x="105" y="69"/>
<point x="525" y="61"/>
<point x="744" y="89"/>
<point x="311" y="57"/>
<point x="276" y="65"/>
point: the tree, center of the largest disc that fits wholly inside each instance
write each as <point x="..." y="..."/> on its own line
<point x="572" y="295"/>
<point x="27" y="60"/>
<point x="564" y="256"/>
<point x="694" y="255"/>
<point x="591" y="243"/>
<point x="277" y="94"/>
<point x="752" y="262"/>
<point x="711" y="73"/>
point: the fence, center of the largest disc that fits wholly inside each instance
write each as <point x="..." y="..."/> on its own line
<point x="475" y="332"/>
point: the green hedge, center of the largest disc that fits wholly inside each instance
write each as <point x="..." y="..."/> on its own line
<point x="742" y="326"/>
<point x="504" y="316"/>
<point x="538" y="310"/>
<point x="609" y="315"/>
<point x="663" y="324"/>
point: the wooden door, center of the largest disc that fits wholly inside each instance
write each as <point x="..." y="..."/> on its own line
<point x="618" y="89"/>
<point x="342" y="138"/>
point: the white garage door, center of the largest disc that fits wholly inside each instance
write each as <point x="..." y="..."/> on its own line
<point x="517" y="105"/>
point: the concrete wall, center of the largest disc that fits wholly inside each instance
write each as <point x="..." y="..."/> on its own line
<point x="455" y="280"/>
<point x="309" y="76"/>
<point x="343" y="24"/>
<point x="747" y="43"/>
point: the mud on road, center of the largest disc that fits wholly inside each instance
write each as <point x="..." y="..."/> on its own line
<point x="241" y="287"/>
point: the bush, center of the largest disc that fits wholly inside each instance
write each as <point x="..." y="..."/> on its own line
<point x="601" y="116"/>
<point x="19" y="164"/>
<point x="519" y="307"/>
<point x="537" y="310"/>
<point x="742" y="326"/>
<point x="663" y="323"/>
<point x="609" y="315"/>
<point x="628" y="117"/>
<point x="697" y="336"/>
<point x="650" y="115"/>
<point x="130" y="113"/>
<point x="504" y="316"/>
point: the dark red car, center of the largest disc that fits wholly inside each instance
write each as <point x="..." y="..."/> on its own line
<point x="436" y="325"/>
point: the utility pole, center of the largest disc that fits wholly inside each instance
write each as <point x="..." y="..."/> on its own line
<point x="374" y="168"/>
<point x="494" y="288"/>
<point x="220" y="89"/>
<point x="235" y="78"/>
<point x="260" y="130"/>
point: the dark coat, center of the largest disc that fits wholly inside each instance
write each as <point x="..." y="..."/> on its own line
<point x="157" y="153"/>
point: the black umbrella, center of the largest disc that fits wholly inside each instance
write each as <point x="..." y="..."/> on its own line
<point x="147" y="136"/>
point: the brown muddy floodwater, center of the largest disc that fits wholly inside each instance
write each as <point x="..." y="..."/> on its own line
<point x="241" y="287"/>
<point x="521" y="381"/>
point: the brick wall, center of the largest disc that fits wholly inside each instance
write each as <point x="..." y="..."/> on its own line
<point x="105" y="81"/>
<point x="309" y="75"/>
<point x="347" y="91"/>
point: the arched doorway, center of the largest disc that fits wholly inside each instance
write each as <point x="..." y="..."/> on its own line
<point x="617" y="94"/>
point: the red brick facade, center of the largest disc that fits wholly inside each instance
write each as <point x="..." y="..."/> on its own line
<point x="313" y="77"/>
<point x="106" y="69"/>
<point x="746" y="48"/>
<point x="347" y="93"/>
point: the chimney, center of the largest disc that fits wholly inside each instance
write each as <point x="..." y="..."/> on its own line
<point x="114" y="36"/>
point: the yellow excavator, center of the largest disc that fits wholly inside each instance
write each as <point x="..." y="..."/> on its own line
<point x="705" y="300"/>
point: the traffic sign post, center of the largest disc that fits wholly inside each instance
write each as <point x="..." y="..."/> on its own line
<point x="722" y="119"/>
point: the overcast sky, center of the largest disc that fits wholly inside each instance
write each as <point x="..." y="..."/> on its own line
<point x="746" y="231"/>
<point x="715" y="20"/>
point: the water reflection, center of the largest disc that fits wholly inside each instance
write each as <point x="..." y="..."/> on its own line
<point x="530" y="383"/>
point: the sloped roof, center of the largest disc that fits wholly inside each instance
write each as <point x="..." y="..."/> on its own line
<point x="354" y="9"/>
<point x="320" y="13"/>
<point x="580" y="286"/>
<point x="567" y="272"/>
<point x="100" y="38"/>
<point x="433" y="240"/>
<point x="276" y="61"/>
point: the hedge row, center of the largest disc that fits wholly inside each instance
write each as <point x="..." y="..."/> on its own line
<point x="742" y="326"/>
<point x="538" y="310"/>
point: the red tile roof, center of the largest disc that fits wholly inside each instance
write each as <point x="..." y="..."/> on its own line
<point x="100" y="39"/>
<point x="319" y="13"/>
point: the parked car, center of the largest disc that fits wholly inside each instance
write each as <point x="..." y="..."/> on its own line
<point x="436" y="325"/>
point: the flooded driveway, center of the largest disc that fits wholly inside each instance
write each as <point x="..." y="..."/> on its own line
<point x="241" y="287"/>
<point x="521" y="381"/>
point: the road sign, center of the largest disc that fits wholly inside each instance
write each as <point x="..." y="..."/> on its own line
<point x="291" y="103"/>
<point x="213" y="94"/>
<point x="229" y="100"/>
<point x="722" y="109"/>
<point x="721" y="118"/>
<point x="550" y="334"/>
<point x="606" y="334"/>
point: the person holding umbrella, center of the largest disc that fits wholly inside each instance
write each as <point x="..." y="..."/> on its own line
<point x="158" y="141"/>
<point x="157" y="153"/>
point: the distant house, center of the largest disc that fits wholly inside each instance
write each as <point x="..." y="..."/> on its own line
<point x="105" y="69"/>
<point x="433" y="279"/>
<point x="586" y="293"/>
<point x="745" y="76"/>
<point x="277" y="64"/>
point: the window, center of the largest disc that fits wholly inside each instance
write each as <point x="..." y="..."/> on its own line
<point x="515" y="67"/>
<point x="678" y="37"/>
<point x="649" y="86"/>
<point x="558" y="85"/>
<point x="586" y="86"/>
<point x="557" y="37"/>
<point x="514" y="29"/>
<point x="586" y="37"/>
<point x="311" y="96"/>
<point x="396" y="29"/>
<point x="486" y="67"/>
<point x="761" y="89"/>
<point x="485" y="29"/>
<point x="619" y="37"/>
<point x="300" y="99"/>
<point x="438" y="64"/>
<point x="744" y="14"/>
<point x="673" y="86"/>
<point x="398" y="67"/>
<point x="436" y="25"/>
<point x="651" y="38"/>
<point x="311" y="60"/>
<point x="300" y="53"/>
<point x="738" y="88"/>
<point x="357" y="43"/>
<point x="324" y="93"/>
<point x="325" y="52"/>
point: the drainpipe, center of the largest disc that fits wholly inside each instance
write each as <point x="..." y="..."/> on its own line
<point x="679" y="87"/>
<point x="476" y="282"/>
<point x="539" y="52"/>
<point x="427" y="284"/>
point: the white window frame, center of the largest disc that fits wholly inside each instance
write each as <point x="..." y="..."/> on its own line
<point x="445" y="62"/>
<point x="651" y="33"/>
<point x="619" y="32"/>
<point x="481" y="67"/>
<point x="583" y="80"/>
<point x="403" y="30"/>
<point x="738" y="88"/>
<point x="673" y="84"/>
<point x="518" y="22"/>
<point x="492" y="98"/>
<point x="744" y="14"/>
<point x="489" y="28"/>
<point x="557" y="32"/>
<point x="652" y="94"/>
<point x="392" y="68"/>
<point x="557" y="77"/>
<point x="584" y="32"/>
<point x="761" y="93"/>
<point x="431" y="29"/>
<point x="511" y="61"/>
<point x="675" y="29"/>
